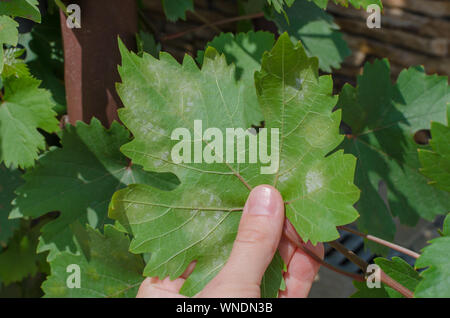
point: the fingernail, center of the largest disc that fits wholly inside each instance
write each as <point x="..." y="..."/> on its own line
<point x="263" y="200"/>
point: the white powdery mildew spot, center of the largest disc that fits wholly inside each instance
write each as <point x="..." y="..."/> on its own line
<point x="164" y="158"/>
<point x="314" y="181"/>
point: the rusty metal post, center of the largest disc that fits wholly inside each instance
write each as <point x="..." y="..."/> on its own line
<point x="91" y="57"/>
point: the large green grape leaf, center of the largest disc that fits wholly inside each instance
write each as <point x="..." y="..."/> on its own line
<point x="8" y="35"/>
<point x="107" y="269"/>
<point x="436" y="163"/>
<point x="384" y="118"/>
<point x="355" y="3"/>
<point x="176" y="9"/>
<point x="317" y="31"/>
<point x="23" y="109"/>
<point x="436" y="278"/>
<point x="19" y="259"/>
<point x="245" y="50"/>
<point x="21" y="8"/>
<point x="199" y="219"/>
<point x="78" y="180"/>
<point x="397" y="269"/>
<point x="9" y="181"/>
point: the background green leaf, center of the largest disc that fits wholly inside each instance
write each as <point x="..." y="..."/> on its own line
<point x="23" y="109"/>
<point x="397" y="269"/>
<point x="107" y="269"/>
<point x="383" y="119"/>
<point x="436" y="163"/>
<point x="319" y="34"/>
<point x="21" y="8"/>
<point x="436" y="277"/>
<point x="78" y="180"/>
<point x="9" y="181"/>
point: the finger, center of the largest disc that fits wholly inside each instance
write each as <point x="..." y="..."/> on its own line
<point x="153" y="287"/>
<point x="301" y="268"/>
<point x="301" y="272"/>
<point x="258" y="237"/>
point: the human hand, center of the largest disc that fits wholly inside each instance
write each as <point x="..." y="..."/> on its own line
<point x="259" y="235"/>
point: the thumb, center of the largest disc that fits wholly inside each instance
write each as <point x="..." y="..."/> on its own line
<point x="257" y="240"/>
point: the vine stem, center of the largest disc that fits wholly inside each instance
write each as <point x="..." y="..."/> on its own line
<point x="290" y="233"/>
<point x="224" y="21"/>
<point x="380" y="241"/>
<point x="385" y="278"/>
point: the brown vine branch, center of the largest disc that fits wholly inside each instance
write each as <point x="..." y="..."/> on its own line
<point x="385" y="278"/>
<point x="380" y="241"/>
<point x="350" y="255"/>
<point x="292" y="236"/>
<point x="206" y="21"/>
<point x="224" y="21"/>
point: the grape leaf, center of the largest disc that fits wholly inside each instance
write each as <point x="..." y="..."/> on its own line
<point x="9" y="181"/>
<point x="8" y="35"/>
<point x="146" y="43"/>
<point x="279" y="4"/>
<point x="273" y="281"/>
<point x="13" y="64"/>
<point x="78" y="180"/>
<point x="47" y="62"/>
<point x="436" y="278"/>
<point x="21" y="8"/>
<point x="436" y="163"/>
<point x="199" y="219"/>
<point x="245" y="50"/>
<point x="397" y="269"/>
<point x="107" y="269"/>
<point x="176" y="9"/>
<point x="23" y="109"/>
<point x="355" y="3"/>
<point x="317" y="31"/>
<point x="19" y="259"/>
<point x="384" y="118"/>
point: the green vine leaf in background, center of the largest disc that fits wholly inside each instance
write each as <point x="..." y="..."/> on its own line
<point x="21" y="8"/>
<point x="199" y="219"/>
<point x="176" y="9"/>
<point x="279" y="4"/>
<point x="383" y="119"/>
<point x="78" y="180"/>
<point x="146" y="43"/>
<point x="436" y="162"/>
<point x="436" y="278"/>
<point x="107" y="268"/>
<point x="23" y="109"/>
<point x="13" y="64"/>
<point x="19" y="260"/>
<point x="355" y="3"/>
<point x="8" y="35"/>
<point x="317" y="31"/>
<point x="397" y="269"/>
<point x="245" y="50"/>
<point x="9" y="181"/>
<point x="45" y="58"/>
